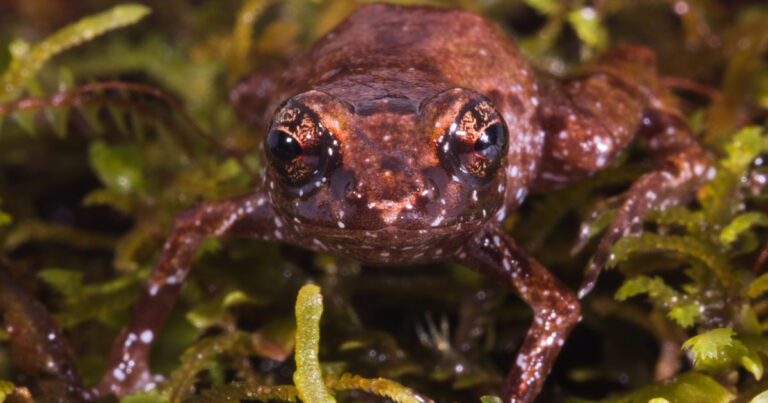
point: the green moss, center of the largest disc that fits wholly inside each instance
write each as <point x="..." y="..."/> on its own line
<point x="26" y="61"/>
<point x="308" y="379"/>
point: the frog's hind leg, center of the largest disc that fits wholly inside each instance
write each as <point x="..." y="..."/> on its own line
<point x="594" y="116"/>
<point x="245" y="216"/>
<point x="556" y="309"/>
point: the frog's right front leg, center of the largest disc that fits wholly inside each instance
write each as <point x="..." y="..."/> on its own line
<point x="245" y="216"/>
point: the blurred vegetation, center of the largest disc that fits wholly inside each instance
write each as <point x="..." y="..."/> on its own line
<point x="92" y="174"/>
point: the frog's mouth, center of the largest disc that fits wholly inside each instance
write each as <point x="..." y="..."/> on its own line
<point x="460" y="224"/>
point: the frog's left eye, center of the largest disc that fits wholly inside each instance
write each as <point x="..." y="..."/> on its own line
<point x="477" y="140"/>
<point x="296" y="143"/>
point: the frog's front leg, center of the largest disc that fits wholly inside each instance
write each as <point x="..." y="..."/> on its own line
<point x="245" y="216"/>
<point x="556" y="309"/>
<point x="593" y="116"/>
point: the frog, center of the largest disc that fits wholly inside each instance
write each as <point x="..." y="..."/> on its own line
<point x="406" y="135"/>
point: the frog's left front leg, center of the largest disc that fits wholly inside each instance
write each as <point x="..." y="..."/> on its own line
<point x="246" y="216"/>
<point x="593" y="116"/>
<point x="556" y="309"/>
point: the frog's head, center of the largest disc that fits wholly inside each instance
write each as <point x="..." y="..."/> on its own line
<point x="387" y="161"/>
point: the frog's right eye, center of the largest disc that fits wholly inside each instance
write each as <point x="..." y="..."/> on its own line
<point x="294" y="145"/>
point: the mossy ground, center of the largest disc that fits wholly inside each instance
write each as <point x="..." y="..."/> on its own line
<point x="90" y="183"/>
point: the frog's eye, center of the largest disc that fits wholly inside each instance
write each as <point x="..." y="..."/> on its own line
<point x="490" y="144"/>
<point x="283" y="146"/>
<point x="294" y="144"/>
<point x="477" y="140"/>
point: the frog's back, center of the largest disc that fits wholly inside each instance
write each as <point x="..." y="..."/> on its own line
<point x="410" y="51"/>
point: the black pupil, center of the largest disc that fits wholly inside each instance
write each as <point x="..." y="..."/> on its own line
<point x="283" y="146"/>
<point x="491" y="141"/>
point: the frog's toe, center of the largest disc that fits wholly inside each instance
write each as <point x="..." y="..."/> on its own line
<point x="600" y="216"/>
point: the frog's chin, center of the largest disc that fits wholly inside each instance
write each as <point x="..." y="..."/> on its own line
<point x="391" y="245"/>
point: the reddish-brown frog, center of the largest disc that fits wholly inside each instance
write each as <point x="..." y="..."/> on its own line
<point x="405" y="136"/>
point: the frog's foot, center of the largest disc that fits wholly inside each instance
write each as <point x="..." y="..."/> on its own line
<point x="656" y="189"/>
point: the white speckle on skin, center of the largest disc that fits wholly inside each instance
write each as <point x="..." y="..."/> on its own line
<point x="130" y="339"/>
<point x="711" y="173"/>
<point x="600" y="161"/>
<point x="118" y="374"/>
<point x="501" y="214"/>
<point x="146" y="336"/>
